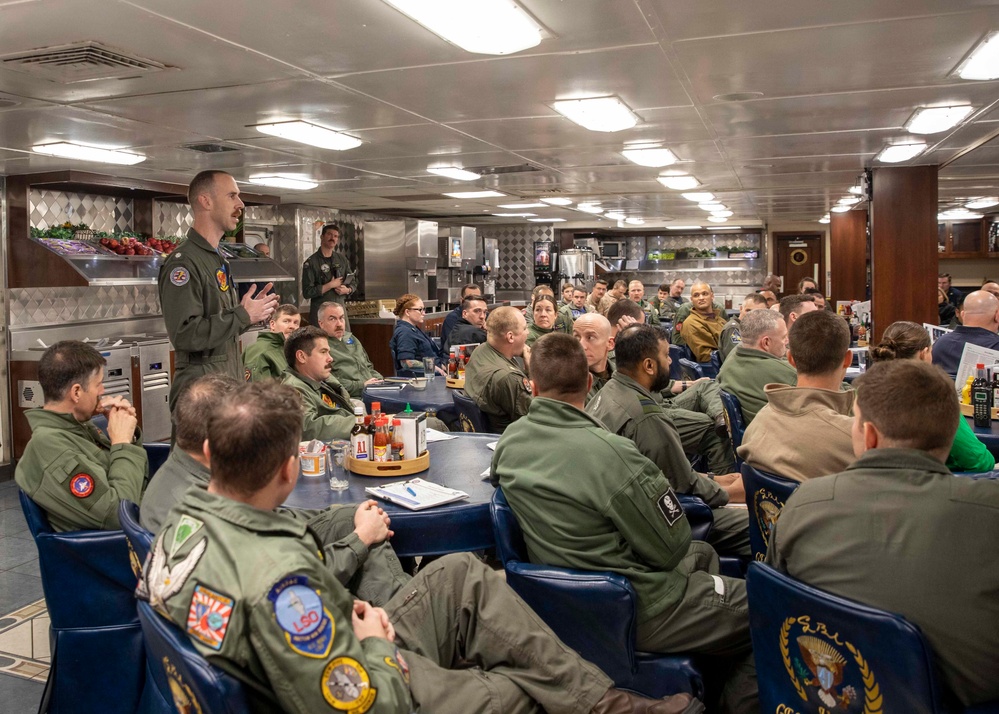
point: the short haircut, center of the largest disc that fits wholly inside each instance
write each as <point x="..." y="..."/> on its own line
<point x="756" y="298"/>
<point x="502" y="320"/>
<point x="579" y="289"/>
<point x="813" y="292"/>
<point x="913" y="404"/>
<point x="620" y="284"/>
<point x="405" y="302"/>
<point x="538" y="289"/>
<point x="818" y="341"/>
<point x="558" y="366"/>
<point x="566" y="286"/>
<point x="677" y="280"/>
<point x="902" y="340"/>
<point x="791" y="304"/>
<point x="288" y="309"/>
<point x="325" y="308"/>
<point x="65" y="364"/>
<point x="203" y="183"/>
<point x="634" y="344"/>
<point x="943" y="275"/>
<point x="600" y="281"/>
<point x="801" y="283"/>
<point x="469" y="287"/>
<point x="304" y="338"/>
<point x="258" y="246"/>
<point x="251" y="433"/>
<point x="194" y="405"/>
<point x="758" y="323"/>
<point x="620" y="308"/>
<point x="466" y="303"/>
<point x="544" y="298"/>
<point x="664" y="287"/>
<point x="329" y="227"/>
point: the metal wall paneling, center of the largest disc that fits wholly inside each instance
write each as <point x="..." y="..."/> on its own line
<point x="516" y="253"/>
<point x="5" y="405"/>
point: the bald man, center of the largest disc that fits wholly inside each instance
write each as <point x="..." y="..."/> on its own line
<point x="494" y="377"/>
<point x="703" y="327"/>
<point x="980" y="316"/>
<point x="991" y="287"/>
<point x="593" y="332"/>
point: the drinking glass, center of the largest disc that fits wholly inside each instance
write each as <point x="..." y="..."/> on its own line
<point x="336" y="465"/>
<point x="428" y="368"/>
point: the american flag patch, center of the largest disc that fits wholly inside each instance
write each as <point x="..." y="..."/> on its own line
<point x="208" y="618"/>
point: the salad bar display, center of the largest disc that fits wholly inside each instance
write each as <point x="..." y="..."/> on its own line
<point x="71" y="239"/>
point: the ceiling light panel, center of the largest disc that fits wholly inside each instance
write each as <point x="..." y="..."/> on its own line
<point x="475" y="194"/>
<point x="606" y="114"/>
<point x="521" y="205"/>
<point x="515" y="215"/>
<point x="651" y="156"/>
<point x="454" y="172"/>
<point x="683" y="228"/>
<point x="80" y="152"/>
<point x="983" y="202"/>
<point x="488" y="27"/>
<point x="681" y="182"/>
<point x="897" y="153"/>
<point x="717" y="219"/>
<point x="589" y="208"/>
<point x="557" y="201"/>
<point x="305" y="133"/>
<point x="840" y="209"/>
<point x="699" y="197"/>
<point x="931" y="120"/>
<point x="278" y="181"/>
<point x="546" y="220"/>
<point x="983" y="62"/>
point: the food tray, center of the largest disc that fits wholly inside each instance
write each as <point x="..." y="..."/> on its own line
<point x="968" y="410"/>
<point x="455" y="383"/>
<point x="388" y="469"/>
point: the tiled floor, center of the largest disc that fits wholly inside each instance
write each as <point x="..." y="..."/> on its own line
<point x="24" y="622"/>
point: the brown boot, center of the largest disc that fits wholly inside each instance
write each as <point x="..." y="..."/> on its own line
<point x="618" y="701"/>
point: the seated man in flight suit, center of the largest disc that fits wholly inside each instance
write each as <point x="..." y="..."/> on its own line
<point x="351" y="365"/>
<point x="493" y="378"/>
<point x="354" y="538"/>
<point x="71" y="469"/>
<point x="588" y="499"/>
<point x="329" y="413"/>
<point x="249" y="586"/>
<point x="264" y="359"/>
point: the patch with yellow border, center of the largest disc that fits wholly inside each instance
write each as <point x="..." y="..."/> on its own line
<point x="327" y="401"/>
<point x="347" y="687"/>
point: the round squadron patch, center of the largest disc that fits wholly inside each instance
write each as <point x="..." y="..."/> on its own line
<point x="223" y="280"/>
<point x="327" y="401"/>
<point x="179" y="276"/>
<point x="325" y="267"/>
<point x="246" y="374"/>
<point x="527" y="384"/>
<point x="81" y="485"/>
<point x="299" y="612"/>
<point x="347" y="687"/>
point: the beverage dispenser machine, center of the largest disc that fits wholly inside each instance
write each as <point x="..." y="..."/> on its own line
<point x="546" y="263"/>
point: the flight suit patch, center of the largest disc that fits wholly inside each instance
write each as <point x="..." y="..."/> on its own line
<point x="327" y="401"/>
<point x="222" y="279"/>
<point x="208" y="617"/>
<point x="81" y="485"/>
<point x="399" y="663"/>
<point x="179" y="276"/>
<point x="527" y="384"/>
<point x="347" y="687"/>
<point x="186" y="527"/>
<point x="247" y="374"/>
<point x="669" y="506"/>
<point x="299" y="612"/>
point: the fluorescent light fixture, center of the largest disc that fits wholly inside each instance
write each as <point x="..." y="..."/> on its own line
<point x="487" y="27"/>
<point x="597" y="114"/>
<point x="454" y="172"/>
<point x="652" y="156"/>
<point x="678" y="182"/>
<point x="858" y="190"/>
<point x="983" y="62"/>
<point x="475" y="194"/>
<point x="305" y="133"/>
<point x="930" y="120"/>
<point x="699" y="197"/>
<point x="635" y="221"/>
<point x="721" y="214"/>
<point x="896" y="153"/>
<point x="683" y="228"/>
<point x="711" y="206"/>
<point x="983" y="202"/>
<point x="521" y="205"/>
<point x="840" y="208"/>
<point x="960" y="213"/>
<point x="824" y="219"/>
<point x="69" y="150"/>
<point x="556" y="201"/>
<point x="614" y="215"/>
<point x="515" y="215"/>
<point x="849" y="200"/>
<point x="278" y="181"/>
<point x="717" y="219"/>
<point x="589" y="207"/>
<point x="729" y="228"/>
<point x="546" y="220"/>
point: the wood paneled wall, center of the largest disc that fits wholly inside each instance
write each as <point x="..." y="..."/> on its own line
<point x="848" y="255"/>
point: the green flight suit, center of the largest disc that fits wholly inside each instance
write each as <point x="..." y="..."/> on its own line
<point x="374" y="574"/>
<point x="535" y="333"/>
<point x="351" y="365"/>
<point x="695" y="413"/>
<point x="747" y="371"/>
<point x="71" y="470"/>
<point x="651" y="313"/>
<point x="202" y="313"/>
<point x="316" y="272"/>
<point x="498" y="386"/>
<point x="667" y="308"/>
<point x="628" y="409"/>
<point x="250" y="589"/>
<point x="731" y="337"/>
<point x="264" y="359"/>
<point x="587" y="499"/>
<point x="329" y="413"/>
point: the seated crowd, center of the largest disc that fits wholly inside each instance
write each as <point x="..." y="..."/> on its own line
<point x="598" y="445"/>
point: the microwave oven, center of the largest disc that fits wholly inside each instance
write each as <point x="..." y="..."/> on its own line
<point x="613" y="249"/>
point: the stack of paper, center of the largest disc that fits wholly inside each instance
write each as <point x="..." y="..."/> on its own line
<point x="416" y="494"/>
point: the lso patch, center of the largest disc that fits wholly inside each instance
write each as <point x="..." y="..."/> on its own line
<point x="347" y="687"/>
<point x="208" y="618"/>
<point x="299" y="612"/>
<point x="669" y="506"/>
<point x="179" y="276"/>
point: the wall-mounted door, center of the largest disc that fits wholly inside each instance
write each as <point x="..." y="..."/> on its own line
<point x="800" y="255"/>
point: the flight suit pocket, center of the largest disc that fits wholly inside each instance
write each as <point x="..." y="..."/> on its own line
<point x="80" y="481"/>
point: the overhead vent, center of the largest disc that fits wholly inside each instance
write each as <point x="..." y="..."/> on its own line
<point x="210" y="148"/>
<point x="495" y="170"/>
<point x="81" y="62"/>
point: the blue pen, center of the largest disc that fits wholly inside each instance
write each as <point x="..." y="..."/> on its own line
<point x="411" y="490"/>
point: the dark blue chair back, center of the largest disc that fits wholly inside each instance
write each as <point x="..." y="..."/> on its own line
<point x="676" y="353"/>
<point x="735" y="422"/>
<point x="156" y="453"/>
<point x="182" y="675"/>
<point x="716" y="362"/>
<point x="766" y="494"/>
<point x="814" y="650"/>
<point x="140" y="541"/>
<point x="470" y="417"/>
<point x="89" y="581"/>
<point x="699" y="515"/>
<point x="696" y="370"/>
<point x="591" y="611"/>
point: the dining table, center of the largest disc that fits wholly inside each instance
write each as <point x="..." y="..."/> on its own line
<point x="435" y="399"/>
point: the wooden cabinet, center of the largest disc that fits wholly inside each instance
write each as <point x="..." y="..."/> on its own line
<point x="962" y="239"/>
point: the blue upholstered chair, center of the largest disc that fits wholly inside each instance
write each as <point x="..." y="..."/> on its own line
<point x="735" y="422"/>
<point x="676" y="353"/>
<point x="716" y="362"/>
<point x="814" y="649"/>
<point x="591" y="611"/>
<point x="699" y="515"/>
<point x="181" y="675"/>
<point x="157" y="453"/>
<point x="98" y="663"/>
<point x="696" y="370"/>
<point x="139" y="539"/>
<point x="470" y="417"/>
<point x="766" y="495"/>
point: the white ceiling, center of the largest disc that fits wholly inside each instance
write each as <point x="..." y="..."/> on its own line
<point x="838" y="81"/>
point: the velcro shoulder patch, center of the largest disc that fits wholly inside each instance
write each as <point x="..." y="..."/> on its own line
<point x="669" y="506"/>
<point x="649" y="406"/>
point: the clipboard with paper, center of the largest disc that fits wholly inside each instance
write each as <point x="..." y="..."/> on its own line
<point x="416" y="494"/>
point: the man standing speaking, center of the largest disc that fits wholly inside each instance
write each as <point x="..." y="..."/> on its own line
<point x="203" y="313"/>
